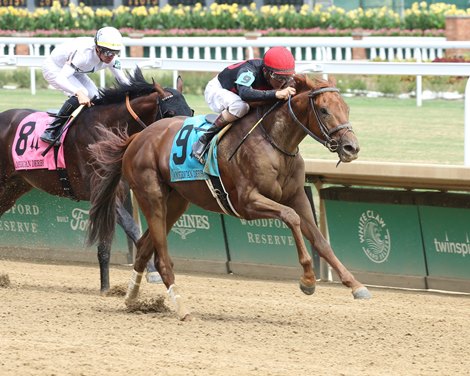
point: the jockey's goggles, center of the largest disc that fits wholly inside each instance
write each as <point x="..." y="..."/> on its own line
<point x="109" y="53"/>
<point x="282" y="78"/>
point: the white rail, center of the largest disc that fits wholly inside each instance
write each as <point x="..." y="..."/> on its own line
<point x="238" y="48"/>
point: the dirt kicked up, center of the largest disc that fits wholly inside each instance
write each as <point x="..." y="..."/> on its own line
<point x="53" y="321"/>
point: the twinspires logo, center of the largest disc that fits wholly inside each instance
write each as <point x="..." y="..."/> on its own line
<point x="374" y="236"/>
<point x="452" y="247"/>
<point x="187" y="224"/>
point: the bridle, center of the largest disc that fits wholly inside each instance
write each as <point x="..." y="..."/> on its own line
<point x="159" y="115"/>
<point x="327" y="140"/>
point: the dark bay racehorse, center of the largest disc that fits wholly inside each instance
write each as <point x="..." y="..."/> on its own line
<point x="264" y="179"/>
<point x="147" y="102"/>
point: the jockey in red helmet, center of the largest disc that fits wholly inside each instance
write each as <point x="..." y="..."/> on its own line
<point x="253" y="80"/>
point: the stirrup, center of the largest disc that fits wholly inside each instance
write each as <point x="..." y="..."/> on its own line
<point x="200" y="156"/>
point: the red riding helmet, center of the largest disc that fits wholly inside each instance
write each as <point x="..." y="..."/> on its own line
<point x="279" y="60"/>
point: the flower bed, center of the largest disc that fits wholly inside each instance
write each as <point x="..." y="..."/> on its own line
<point x="225" y="19"/>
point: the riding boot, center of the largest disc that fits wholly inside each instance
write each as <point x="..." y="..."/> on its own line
<point x="53" y="130"/>
<point x="201" y="146"/>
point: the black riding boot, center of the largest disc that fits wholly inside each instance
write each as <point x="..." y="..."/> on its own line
<point x="200" y="147"/>
<point x="53" y="130"/>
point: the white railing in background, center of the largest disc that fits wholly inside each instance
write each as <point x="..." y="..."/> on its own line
<point x="239" y="48"/>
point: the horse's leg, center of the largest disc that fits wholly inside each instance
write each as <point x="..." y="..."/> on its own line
<point x="104" y="254"/>
<point x="311" y="231"/>
<point x="144" y="254"/>
<point x="10" y="191"/>
<point x="127" y="222"/>
<point x="260" y="206"/>
<point x="155" y="209"/>
<point x="176" y="205"/>
<point x="104" y="250"/>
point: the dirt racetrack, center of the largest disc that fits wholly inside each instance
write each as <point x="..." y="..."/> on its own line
<point x="53" y="321"/>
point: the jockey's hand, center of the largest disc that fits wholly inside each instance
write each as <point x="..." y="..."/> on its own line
<point x="284" y="93"/>
<point x="83" y="98"/>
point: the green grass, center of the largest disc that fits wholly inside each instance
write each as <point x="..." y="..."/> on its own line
<point x="392" y="130"/>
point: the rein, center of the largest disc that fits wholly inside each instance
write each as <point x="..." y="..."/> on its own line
<point x="327" y="140"/>
<point x="137" y="118"/>
<point x="275" y="146"/>
<point x="132" y="112"/>
<point x="253" y="128"/>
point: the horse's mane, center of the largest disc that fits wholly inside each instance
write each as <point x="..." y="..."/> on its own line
<point x="307" y="83"/>
<point x="137" y="87"/>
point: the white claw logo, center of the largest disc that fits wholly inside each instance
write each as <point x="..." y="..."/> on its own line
<point x="374" y="236"/>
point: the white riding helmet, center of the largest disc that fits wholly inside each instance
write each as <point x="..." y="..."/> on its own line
<point x="109" y="37"/>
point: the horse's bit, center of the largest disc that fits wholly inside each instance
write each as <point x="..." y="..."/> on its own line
<point x="328" y="141"/>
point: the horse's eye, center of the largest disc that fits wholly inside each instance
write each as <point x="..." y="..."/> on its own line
<point x="324" y="111"/>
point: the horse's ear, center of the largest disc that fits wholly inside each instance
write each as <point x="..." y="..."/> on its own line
<point x="179" y="84"/>
<point x="301" y="82"/>
<point x="159" y="89"/>
<point x="332" y="80"/>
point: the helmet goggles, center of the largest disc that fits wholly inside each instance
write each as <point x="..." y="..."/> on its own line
<point x="284" y="79"/>
<point x="107" y="52"/>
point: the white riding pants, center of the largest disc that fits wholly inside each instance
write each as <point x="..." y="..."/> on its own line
<point x="80" y="80"/>
<point x="220" y="99"/>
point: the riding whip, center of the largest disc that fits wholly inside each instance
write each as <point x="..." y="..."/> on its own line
<point x="253" y="128"/>
<point x="64" y="128"/>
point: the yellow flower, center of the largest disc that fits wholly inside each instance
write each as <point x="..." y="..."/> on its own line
<point x="139" y="12"/>
<point x="103" y="12"/>
<point x="167" y="9"/>
<point x="153" y="10"/>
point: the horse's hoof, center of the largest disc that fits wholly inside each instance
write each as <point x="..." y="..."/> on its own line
<point x="361" y="293"/>
<point x="307" y="290"/>
<point x="186" y="317"/>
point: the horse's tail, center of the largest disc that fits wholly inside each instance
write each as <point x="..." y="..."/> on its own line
<point x="106" y="190"/>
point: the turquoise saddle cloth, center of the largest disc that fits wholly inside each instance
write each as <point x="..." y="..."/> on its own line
<point x="183" y="166"/>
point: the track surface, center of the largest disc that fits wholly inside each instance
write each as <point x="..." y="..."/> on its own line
<point x="54" y="322"/>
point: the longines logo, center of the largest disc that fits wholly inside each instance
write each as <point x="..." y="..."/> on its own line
<point x="374" y="236"/>
<point x="183" y="232"/>
<point x="189" y="223"/>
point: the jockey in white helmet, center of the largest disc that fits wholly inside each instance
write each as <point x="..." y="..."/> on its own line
<point x="68" y="66"/>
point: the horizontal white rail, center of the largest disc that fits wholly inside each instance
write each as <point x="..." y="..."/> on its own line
<point x="238" y="48"/>
<point x="346" y="67"/>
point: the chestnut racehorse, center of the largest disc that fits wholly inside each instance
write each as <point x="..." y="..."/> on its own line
<point x="147" y="102"/>
<point x="264" y="177"/>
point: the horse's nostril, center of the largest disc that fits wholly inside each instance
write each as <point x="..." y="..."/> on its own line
<point x="351" y="149"/>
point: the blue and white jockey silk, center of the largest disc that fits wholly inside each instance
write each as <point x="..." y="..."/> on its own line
<point x="183" y="167"/>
